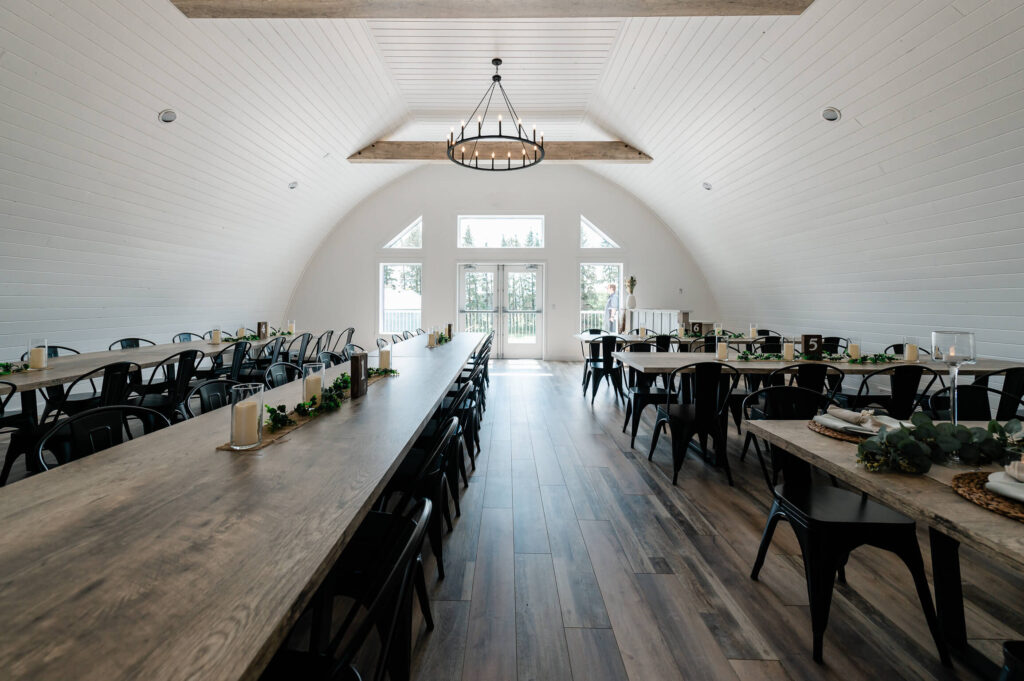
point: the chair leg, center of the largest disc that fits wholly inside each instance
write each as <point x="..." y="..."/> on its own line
<point x="421" y="594"/>
<point x="820" y="565"/>
<point x="441" y="499"/>
<point x="637" y="413"/>
<point x="654" y="438"/>
<point x="629" y="412"/>
<point x="680" y="443"/>
<point x="766" y="539"/>
<point x="587" y="377"/>
<point x="596" y="378"/>
<point x="434" y="531"/>
<point x="746" y="445"/>
<point x="910" y="553"/>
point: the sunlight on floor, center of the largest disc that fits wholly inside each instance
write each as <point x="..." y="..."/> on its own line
<point x="520" y="367"/>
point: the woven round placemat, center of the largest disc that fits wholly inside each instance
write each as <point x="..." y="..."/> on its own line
<point x="971" y="486"/>
<point x="835" y="434"/>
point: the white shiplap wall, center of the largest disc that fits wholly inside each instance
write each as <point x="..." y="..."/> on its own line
<point x="113" y="224"/>
<point x="904" y="216"/>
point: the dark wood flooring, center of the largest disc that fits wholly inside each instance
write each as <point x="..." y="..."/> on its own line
<point x="576" y="558"/>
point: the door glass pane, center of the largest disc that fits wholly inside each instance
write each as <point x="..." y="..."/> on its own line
<point x="522" y="295"/>
<point x="478" y="315"/>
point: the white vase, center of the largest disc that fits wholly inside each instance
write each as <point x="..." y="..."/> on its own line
<point x="631" y="302"/>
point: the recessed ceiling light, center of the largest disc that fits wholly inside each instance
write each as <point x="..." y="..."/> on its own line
<point x="167" y="116"/>
<point x="707" y="185"/>
<point x="293" y="185"/>
<point x="831" y="114"/>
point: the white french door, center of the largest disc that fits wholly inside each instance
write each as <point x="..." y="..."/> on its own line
<point x="505" y="299"/>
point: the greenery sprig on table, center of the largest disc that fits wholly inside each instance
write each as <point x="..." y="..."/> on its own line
<point x="442" y="338"/>
<point x="374" y="371"/>
<point x="747" y="356"/>
<point x="914" y="450"/>
<point x="277" y="418"/>
<point x="8" y="368"/>
<point x="280" y="332"/>
<point x="235" y="339"/>
<point x="330" y="400"/>
<point x="877" y="358"/>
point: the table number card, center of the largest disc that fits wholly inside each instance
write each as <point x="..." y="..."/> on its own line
<point x="359" y="365"/>
<point x="811" y="345"/>
<point x="262" y="330"/>
<point x="451" y="332"/>
<point x="697" y="328"/>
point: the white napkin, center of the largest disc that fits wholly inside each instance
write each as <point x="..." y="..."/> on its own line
<point x="859" y="423"/>
<point x="1002" y="484"/>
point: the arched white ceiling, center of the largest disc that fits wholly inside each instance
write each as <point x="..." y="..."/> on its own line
<point x="902" y="216"/>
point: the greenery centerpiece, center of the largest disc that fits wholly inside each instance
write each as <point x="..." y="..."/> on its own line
<point x="877" y="358"/>
<point x="7" y="368"/>
<point x="748" y="356"/>
<point x="914" y="450"/>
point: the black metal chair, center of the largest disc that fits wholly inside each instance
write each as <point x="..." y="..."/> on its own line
<point x="330" y="359"/>
<point x="323" y="343"/>
<point x="974" y="403"/>
<point x="603" y="366"/>
<point x="167" y="396"/>
<point x="117" y="381"/>
<point x="641" y="390"/>
<point x="84" y="398"/>
<point x="212" y="394"/>
<point x="344" y="338"/>
<point x="897" y="349"/>
<point x="93" y="431"/>
<point x="129" y="343"/>
<point x="905" y="393"/>
<point x="835" y="344"/>
<point x="17" y="424"/>
<point x="395" y="338"/>
<point x="419" y="331"/>
<point x="407" y="334"/>
<point x="380" y="571"/>
<point x="702" y="414"/>
<point x="585" y="353"/>
<point x="348" y="350"/>
<point x="187" y="337"/>
<point x="239" y="353"/>
<point x="381" y="344"/>
<point x="831" y="522"/>
<point x="768" y="344"/>
<point x="1013" y="386"/>
<point x="768" y="332"/>
<point x="297" y="355"/>
<point x="279" y="373"/>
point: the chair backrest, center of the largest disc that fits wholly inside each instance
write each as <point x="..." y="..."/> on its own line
<point x="346" y="353"/>
<point x="330" y="359"/>
<point x="395" y="338"/>
<point x="663" y="342"/>
<point x="212" y="394"/>
<point x="768" y="344"/>
<point x="129" y="343"/>
<point x="381" y="343"/>
<point x="303" y="340"/>
<point x="897" y="349"/>
<point x="595" y="332"/>
<point x="271" y="351"/>
<point x="609" y="344"/>
<point x="1013" y="388"/>
<point x="974" y="403"/>
<point x="323" y="343"/>
<point x="187" y="337"/>
<point x="118" y="379"/>
<point x="398" y="568"/>
<point x="419" y="331"/>
<point x="768" y="332"/>
<point x="92" y="431"/>
<point x="905" y="392"/>
<point x="711" y="384"/>
<point x="279" y="373"/>
<point x="821" y="378"/>
<point x="835" y="344"/>
<point x="407" y="334"/>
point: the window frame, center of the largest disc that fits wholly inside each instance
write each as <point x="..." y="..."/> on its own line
<point x="381" y="264"/>
<point x="508" y="216"/>
<point x="387" y="247"/>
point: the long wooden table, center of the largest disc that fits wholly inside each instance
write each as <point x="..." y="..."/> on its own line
<point x="929" y="499"/>
<point x="667" y="362"/>
<point x="165" y="558"/>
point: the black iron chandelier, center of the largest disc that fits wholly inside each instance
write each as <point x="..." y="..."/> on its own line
<point x="503" y="151"/>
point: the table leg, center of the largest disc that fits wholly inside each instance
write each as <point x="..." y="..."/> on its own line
<point x="949" y="604"/>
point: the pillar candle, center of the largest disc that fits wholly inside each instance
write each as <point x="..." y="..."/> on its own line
<point x="753" y="332"/>
<point x="384" y="359"/>
<point x="291" y="327"/>
<point x="681" y="332"/>
<point x="432" y="340"/>
<point x="216" y="337"/>
<point x="311" y="387"/>
<point x="240" y="332"/>
<point x="37" y="358"/>
<point x="910" y="352"/>
<point x="787" y="352"/>
<point x="854" y="350"/>
<point x="643" y="331"/>
<point x="723" y="350"/>
<point x="245" y="430"/>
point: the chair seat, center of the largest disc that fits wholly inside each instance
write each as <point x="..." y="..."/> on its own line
<point x="685" y="412"/>
<point x="833" y="505"/>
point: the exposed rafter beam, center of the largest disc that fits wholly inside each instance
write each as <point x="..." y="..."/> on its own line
<point x="555" y="152"/>
<point x="480" y="9"/>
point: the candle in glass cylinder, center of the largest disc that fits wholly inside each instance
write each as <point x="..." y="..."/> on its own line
<point x="246" y="426"/>
<point x="312" y="386"/>
<point x="753" y="331"/>
<point x="215" y="337"/>
<point x="240" y="332"/>
<point x="787" y="352"/>
<point x="643" y="331"/>
<point x="37" y="358"/>
<point x="291" y="327"/>
<point x="432" y="340"/>
<point x="384" y="359"/>
<point x="680" y="332"/>
<point x="854" y="350"/>
<point x="723" y="351"/>
<point x="910" y="352"/>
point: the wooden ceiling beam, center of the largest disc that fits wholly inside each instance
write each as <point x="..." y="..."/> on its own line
<point x="555" y="152"/>
<point x="480" y="9"/>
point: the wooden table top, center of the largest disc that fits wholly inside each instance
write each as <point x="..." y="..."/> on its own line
<point x="927" y="498"/>
<point x="667" y="362"/>
<point x="164" y="558"/>
<point x="61" y="370"/>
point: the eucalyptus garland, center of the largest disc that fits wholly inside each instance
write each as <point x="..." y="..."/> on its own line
<point x="7" y="368"/>
<point x="373" y="371"/>
<point x="277" y="418"/>
<point x="877" y="358"/>
<point x="442" y="338"/>
<point x="747" y="356"/>
<point x="914" y="450"/>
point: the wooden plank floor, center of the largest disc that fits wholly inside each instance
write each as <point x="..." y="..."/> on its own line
<point x="576" y="558"/>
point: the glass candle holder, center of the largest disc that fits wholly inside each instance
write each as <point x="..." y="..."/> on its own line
<point x="752" y="330"/>
<point x="246" y="415"/>
<point x="241" y="330"/>
<point x="37" y="353"/>
<point x="384" y="358"/>
<point x="291" y="326"/>
<point x="954" y="348"/>
<point x="313" y="381"/>
<point x="215" y="336"/>
<point x="718" y="328"/>
<point x="911" y="349"/>
<point x="722" y="349"/>
<point x="788" y="350"/>
<point x="853" y="348"/>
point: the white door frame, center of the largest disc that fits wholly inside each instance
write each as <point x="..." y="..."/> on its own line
<point x="502" y="346"/>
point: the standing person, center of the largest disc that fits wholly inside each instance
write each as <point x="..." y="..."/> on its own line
<point x="611" y="309"/>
